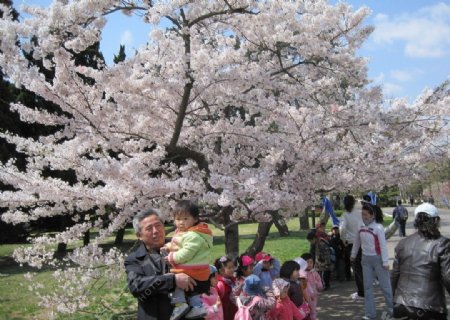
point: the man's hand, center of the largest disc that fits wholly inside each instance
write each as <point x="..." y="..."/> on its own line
<point x="184" y="282"/>
<point x="386" y="268"/>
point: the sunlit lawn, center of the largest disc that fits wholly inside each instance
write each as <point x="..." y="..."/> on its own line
<point x="114" y="302"/>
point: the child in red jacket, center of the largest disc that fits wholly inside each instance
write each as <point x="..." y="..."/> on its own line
<point x="285" y="309"/>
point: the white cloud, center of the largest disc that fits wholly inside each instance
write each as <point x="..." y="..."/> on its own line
<point x="392" y="89"/>
<point x="426" y="32"/>
<point x="126" y="38"/>
<point x="405" y="75"/>
<point x="379" y="78"/>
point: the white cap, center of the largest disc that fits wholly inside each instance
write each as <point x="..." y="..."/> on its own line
<point x="302" y="262"/>
<point x="428" y="208"/>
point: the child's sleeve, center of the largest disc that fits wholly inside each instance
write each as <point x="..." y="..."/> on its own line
<point x="257" y="269"/>
<point x="268" y="303"/>
<point x="356" y="245"/>
<point x="296" y="311"/>
<point x="191" y="243"/>
<point x="212" y="303"/>
<point x="383" y="245"/>
<point x="220" y="287"/>
<point x="276" y="267"/>
<point x="274" y="313"/>
<point x="318" y="281"/>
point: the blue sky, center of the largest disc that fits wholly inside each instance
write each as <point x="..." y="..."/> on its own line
<point x="408" y="51"/>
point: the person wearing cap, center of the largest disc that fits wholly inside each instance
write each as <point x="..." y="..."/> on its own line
<point x="267" y="268"/>
<point x="258" y="299"/>
<point x="421" y="270"/>
<point x="211" y="302"/>
<point x="244" y="268"/>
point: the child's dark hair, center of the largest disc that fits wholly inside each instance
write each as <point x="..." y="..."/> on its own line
<point x="349" y="203"/>
<point x="221" y="262"/>
<point x="306" y="256"/>
<point x="311" y="235"/>
<point x="375" y="211"/>
<point x="288" y="268"/>
<point x="187" y="207"/>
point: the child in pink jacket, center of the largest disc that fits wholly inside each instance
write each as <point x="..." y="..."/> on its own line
<point x="211" y="301"/>
<point x="284" y="309"/>
<point x="314" y="285"/>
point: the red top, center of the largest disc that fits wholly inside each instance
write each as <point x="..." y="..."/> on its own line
<point x="285" y="309"/>
<point x="224" y="290"/>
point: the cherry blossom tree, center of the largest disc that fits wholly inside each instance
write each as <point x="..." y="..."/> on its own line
<point x="248" y="106"/>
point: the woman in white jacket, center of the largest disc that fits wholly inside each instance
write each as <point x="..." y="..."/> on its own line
<point x="371" y="239"/>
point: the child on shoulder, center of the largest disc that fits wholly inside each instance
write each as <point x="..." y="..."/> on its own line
<point x="188" y="253"/>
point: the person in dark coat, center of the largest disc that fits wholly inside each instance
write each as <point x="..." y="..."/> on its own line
<point x="421" y="271"/>
<point x="147" y="272"/>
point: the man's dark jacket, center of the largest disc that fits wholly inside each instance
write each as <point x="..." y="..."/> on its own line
<point x="149" y="282"/>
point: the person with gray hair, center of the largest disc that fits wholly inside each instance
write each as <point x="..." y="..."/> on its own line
<point x="421" y="271"/>
<point x="148" y="275"/>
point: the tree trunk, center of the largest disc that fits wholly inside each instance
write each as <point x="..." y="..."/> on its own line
<point x="304" y="221"/>
<point x="231" y="233"/>
<point x="280" y="223"/>
<point x="119" y="236"/>
<point x="62" y="247"/>
<point x="86" y="238"/>
<point x="260" y="239"/>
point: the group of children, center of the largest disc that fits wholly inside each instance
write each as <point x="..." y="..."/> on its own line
<point x="244" y="288"/>
<point x="261" y="288"/>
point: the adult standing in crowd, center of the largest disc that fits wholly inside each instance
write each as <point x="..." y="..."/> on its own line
<point x="349" y="227"/>
<point x="400" y="215"/>
<point x="421" y="271"/>
<point x="147" y="273"/>
<point x="371" y="239"/>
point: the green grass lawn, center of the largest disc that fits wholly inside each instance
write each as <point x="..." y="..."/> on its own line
<point x="114" y="301"/>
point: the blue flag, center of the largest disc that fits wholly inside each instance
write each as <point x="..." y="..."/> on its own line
<point x="329" y="209"/>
